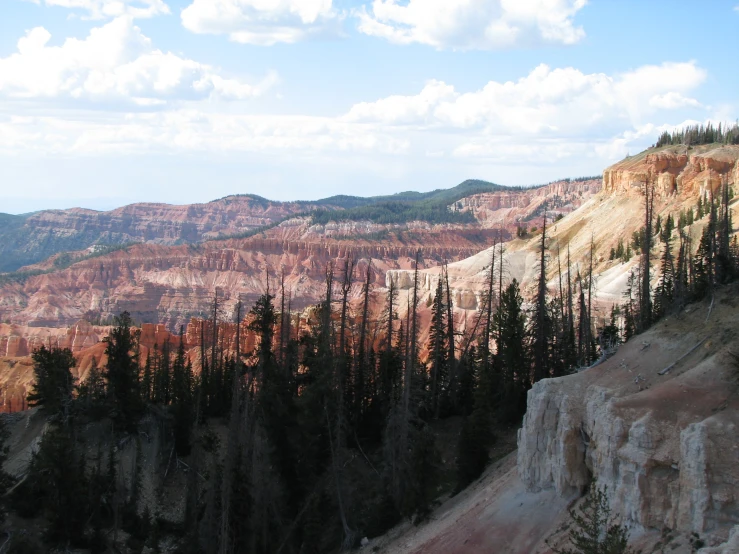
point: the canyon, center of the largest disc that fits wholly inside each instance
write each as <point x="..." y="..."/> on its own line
<point x="31" y="239"/>
<point x="657" y="423"/>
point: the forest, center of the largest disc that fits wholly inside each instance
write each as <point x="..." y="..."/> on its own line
<point x="694" y="135"/>
<point x="327" y="428"/>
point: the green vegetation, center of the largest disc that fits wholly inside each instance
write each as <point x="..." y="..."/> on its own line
<point x="63" y="261"/>
<point x="694" y="135"/>
<point x="594" y="530"/>
<point x="432" y="207"/>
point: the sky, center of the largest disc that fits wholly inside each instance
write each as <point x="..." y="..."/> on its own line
<point x="108" y="102"/>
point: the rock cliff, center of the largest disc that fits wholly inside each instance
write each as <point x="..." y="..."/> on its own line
<point x="666" y="446"/>
<point x="508" y="209"/>
<point x="675" y="170"/>
<point x="47" y="232"/>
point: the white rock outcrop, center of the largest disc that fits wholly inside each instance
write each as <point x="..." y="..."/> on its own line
<point x="667" y="448"/>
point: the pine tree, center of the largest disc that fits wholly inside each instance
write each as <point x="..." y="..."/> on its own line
<point x="91" y="392"/>
<point x="666" y="287"/>
<point x="645" y="309"/>
<point x="147" y="380"/>
<point x="541" y="321"/>
<point x="438" y="350"/>
<point x="53" y="386"/>
<point x="511" y="323"/>
<point x="594" y="530"/>
<point x="6" y="480"/>
<point x="122" y="373"/>
<point x="477" y="435"/>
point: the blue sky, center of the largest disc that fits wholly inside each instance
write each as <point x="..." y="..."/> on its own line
<point x="107" y="102"/>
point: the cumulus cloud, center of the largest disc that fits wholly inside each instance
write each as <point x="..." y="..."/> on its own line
<point x="261" y="22"/>
<point x="549" y="118"/>
<point x="103" y="9"/>
<point x="473" y="24"/>
<point x="115" y="62"/>
<point x="561" y="102"/>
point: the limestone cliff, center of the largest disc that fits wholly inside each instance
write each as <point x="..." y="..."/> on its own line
<point x="666" y="446"/>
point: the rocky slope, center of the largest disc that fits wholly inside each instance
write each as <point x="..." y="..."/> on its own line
<point x="666" y="446"/>
<point x="508" y="209"/>
<point x="611" y="215"/>
<point x="30" y="239"/>
<point x="42" y="234"/>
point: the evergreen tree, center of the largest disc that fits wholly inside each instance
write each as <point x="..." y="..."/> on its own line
<point x="122" y="373"/>
<point x="91" y="392"/>
<point x="183" y="401"/>
<point x="438" y="350"/>
<point x="645" y="308"/>
<point x="147" y="380"/>
<point x="540" y="320"/>
<point x="594" y="530"/>
<point x="511" y="323"/>
<point x="53" y="386"/>
<point x="666" y="287"/>
<point x="476" y="436"/>
<point x="6" y="480"/>
<point x="56" y="484"/>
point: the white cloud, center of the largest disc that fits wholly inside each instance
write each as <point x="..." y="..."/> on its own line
<point x="550" y="118"/>
<point x="103" y="9"/>
<point x="672" y="101"/>
<point x="190" y="130"/>
<point x="115" y="62"/>
<point x="562" y="102"/>
<point x="404" y="109"/>
<point x="473" y="24"/>
<point x="262" y="22"/>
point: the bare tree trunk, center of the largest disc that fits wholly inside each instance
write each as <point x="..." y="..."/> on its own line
<point x="450" y="334"/>
<point x="361" y="364"/>
<point x="326" y="313"/>
<point x="390" y="299"/>
<point x="489" y="313"/>
<point x="232" y="447"/>
<point x="348" y="533"/>
<point x="646" y="299"/>
<point x="590" y="302"/>
<point x="282" y="316"/>
<point x="341" y="359"/>
<point x="215" y="332"/>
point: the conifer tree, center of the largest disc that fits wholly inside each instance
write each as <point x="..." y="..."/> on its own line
<point x="361" y="362"/>
<point x="147" y="380"/>
<point x="438" y="349"/>
<point x="645" y="308"/>
<point x="512" y="356"/>
<point x="541" y="321"/>
<point x="6" y="480"/>
<point x="91" y="392"/>
<point x="450" y="338"/>
<point x="664" y="294"/>
<point x="122" y="373"/>
<point x="53" y="386"/>
<point x="594" y="530"/>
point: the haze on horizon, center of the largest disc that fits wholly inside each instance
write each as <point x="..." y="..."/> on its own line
<point x="108" y="102"/>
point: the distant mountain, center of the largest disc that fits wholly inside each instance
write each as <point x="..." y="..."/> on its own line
<point x="31" y="238"/>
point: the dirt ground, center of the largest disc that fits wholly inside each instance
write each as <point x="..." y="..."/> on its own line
<point x="493" y="515"/>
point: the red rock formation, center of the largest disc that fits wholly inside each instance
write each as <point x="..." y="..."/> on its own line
<point x="675" y="170"/>
<point x="166" y="223"/>
<point x="507" y="210"/>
